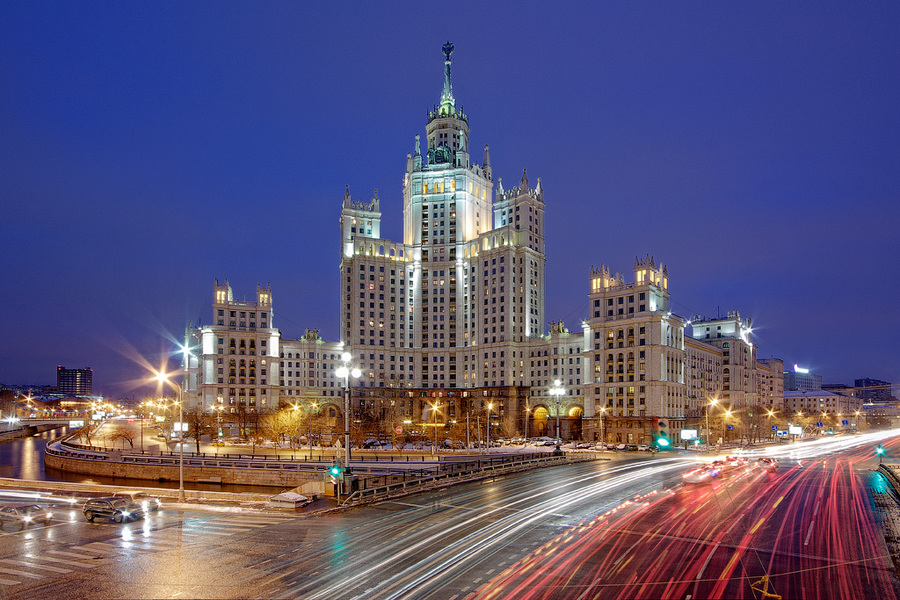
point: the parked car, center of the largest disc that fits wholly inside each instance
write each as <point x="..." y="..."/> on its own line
<point x="24" y="514"/>
<point x="117" y="509"/>
<point x="148" y="503"/>
<point x="644" y="448"/>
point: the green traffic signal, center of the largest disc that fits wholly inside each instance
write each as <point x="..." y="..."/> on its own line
<point x="879" y="450"/>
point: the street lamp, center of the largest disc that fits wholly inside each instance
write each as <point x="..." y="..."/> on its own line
<point x="727" y="416"/>
<point x="603" y="425"/>
<point x="434" y="412"/>
<point x="712" y="402"/>
<point x="557" y="391"/>
<point x="315" y="405"/>
<point x="487" y="427"/>
<point x="345" y="372"/>
<point x="164" y="378"/>
<point x="218" y="408"/>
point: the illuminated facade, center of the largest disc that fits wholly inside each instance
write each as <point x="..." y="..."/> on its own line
<point x="459" y="303"/>
<point x="637" y="354"/>
<point x="454" y="315"/>
<point x="234" y="362"/>
<point x="734" y="336"/>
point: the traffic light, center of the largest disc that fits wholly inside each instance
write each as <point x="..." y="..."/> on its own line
<point x="661" y="439"/>
<point x="879" y="450"/>
<point x="336" y="473"/>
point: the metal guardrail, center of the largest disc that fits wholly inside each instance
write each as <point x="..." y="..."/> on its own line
<point x="375" y="481"/>
<point x="374" y="493"/>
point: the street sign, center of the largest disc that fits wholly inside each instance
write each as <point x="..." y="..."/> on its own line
<point x="398" y="429"/>
<point x="774" y="427"/>
<point x="731" y="427"/>
<point x="845" y="422"/>
<point x="819" y="424"/>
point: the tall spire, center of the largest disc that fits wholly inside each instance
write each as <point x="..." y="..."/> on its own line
<point x="448" y="104"/>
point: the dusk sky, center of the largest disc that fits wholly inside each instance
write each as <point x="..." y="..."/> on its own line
<point x="147" y="149"/>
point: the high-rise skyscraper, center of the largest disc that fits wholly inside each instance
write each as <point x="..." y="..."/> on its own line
<point x="454" y="302"/>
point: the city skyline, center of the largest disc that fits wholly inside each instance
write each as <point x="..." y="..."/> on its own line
<point x="147" y="160"/>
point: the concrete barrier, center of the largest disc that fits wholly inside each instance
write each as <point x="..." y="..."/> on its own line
<point x="108" y="490"/>
<point x="119" y="464"/>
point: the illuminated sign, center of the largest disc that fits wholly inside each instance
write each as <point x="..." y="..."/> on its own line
<point x="798" y="369"/>
<point x="79" y="423"/>
<point x="795" y="430"/>
<point x="688" y="434"/>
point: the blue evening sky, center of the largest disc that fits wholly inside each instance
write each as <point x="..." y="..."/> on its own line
<point x="147" y="148"/>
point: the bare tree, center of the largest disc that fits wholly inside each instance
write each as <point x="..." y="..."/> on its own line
<point x="197" y="423"/>
<point x="509" y="428"/>
<point x="121" y="433"/>
<point x="85" y="433"/>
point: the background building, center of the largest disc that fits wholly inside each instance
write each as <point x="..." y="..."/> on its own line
<point x="873" y="390"/>
<point x="74" y="382"/>
<point x="799" y="379"/>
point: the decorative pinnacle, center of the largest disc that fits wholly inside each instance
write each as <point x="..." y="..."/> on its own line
<point x="448" y="50"/>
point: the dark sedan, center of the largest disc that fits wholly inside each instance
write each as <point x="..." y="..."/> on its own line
<point x="117" y="509"/>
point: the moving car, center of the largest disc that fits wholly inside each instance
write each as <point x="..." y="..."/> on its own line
<point x="767" y="463"/>
<point x="117" y="509"/>
<point x="148" y="503"/>
<point x="701" y="474"/>
<point x="24" y="514"/>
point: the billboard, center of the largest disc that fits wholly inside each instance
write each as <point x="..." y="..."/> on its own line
<point x="688" y="434"/>
<point x="795" y="430"/>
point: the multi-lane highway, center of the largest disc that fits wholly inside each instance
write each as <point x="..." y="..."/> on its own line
<point x="621" y="528"/>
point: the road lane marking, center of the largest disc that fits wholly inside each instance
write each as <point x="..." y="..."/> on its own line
<point x="67" y="562"/>
<point x="34" y="566"/>
<point x="816" y="511"/>
<point x="706" y="562"/>
<point x="22" y="573"/>
<point x="809" y="533"/>
<point x="755" y="527"/>
<point x="777" y="502"/>
<point x="72" y="554"/>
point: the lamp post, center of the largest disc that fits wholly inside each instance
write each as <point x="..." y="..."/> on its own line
<point x="219" y="408"/>
<point x="557" y="391"/>
<point x="487" y="427"/>
<point x="434" y="412"/>
<point x="603" y="425"/>
<point x="727" y="415"/>
<point x="164" y="378"/>
<point x="345" y="372"/>
<point x="525" y="419"/>
<point x="309" y="424"/>
<point x="712" y="402"/>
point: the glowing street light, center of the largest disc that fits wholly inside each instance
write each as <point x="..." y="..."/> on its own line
<point x="712" y="402"/>
<point x="487" y="427"/>
<point x="434" y="411"/>
<point x="163" y="377"/>
<point x="345" y="372"/>
<point x="557" y="391"/>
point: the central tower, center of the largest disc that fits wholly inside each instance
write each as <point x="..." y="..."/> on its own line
<point x="426" y="312"/>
